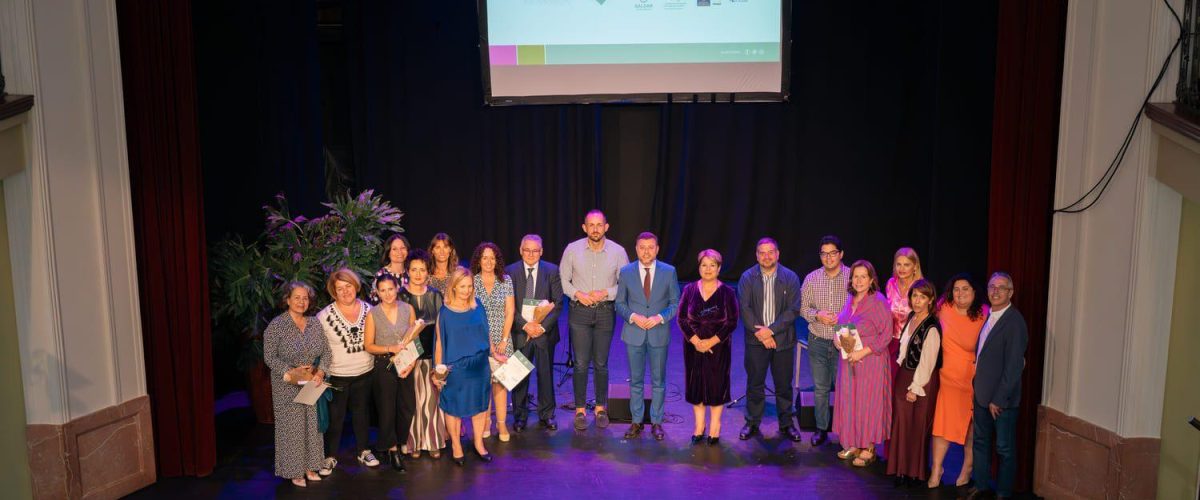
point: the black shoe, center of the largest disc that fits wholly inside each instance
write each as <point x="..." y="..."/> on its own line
<point x="484" y="457"/>
<point x="749" y="431"/>
<point x="656" y="430"/>
<point x="602" y="419"/>
<point x="634" y="432"/>
<point x="975" y="493"/>
<point x="697" y="439"/>
<point x="899" y="482"/>
<point x="819" y="438"/>
<point x="459" y="461"/>
<point x="581" y="422"/>
<point x="714" y="440"/>
<point x="790" y="434"/>
<point x="549" y="424"/>
<point x="519" y="426"/>
<point x="395" y="460"/>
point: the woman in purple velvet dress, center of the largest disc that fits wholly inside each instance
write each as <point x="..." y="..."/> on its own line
<point x="708" y="313"/>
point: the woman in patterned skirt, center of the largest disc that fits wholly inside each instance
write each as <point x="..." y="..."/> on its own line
<point x="494" y="289"/>
<point x="445" y="259"/>
<point x="428" y="429"/>
<point x="862" y="416"/>
<point x="291" y="344"/>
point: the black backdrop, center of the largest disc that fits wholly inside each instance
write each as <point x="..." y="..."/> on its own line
<point x="885" y="142"/>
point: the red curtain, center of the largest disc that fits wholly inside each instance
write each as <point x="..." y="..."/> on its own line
<point x="167" y="191"/>
<point x="1029" y="59"/>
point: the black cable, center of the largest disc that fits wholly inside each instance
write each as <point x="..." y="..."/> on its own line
<point x="1113" y="167"/>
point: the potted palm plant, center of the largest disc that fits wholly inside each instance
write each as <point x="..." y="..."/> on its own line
<point x="247" y="276"/>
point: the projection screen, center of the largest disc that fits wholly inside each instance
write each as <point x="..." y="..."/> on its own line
<point x="564" y="51"/>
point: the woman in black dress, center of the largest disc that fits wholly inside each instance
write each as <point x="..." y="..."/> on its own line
<point x="708" y="313"/>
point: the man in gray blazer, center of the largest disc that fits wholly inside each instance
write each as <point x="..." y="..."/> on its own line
<point x="535" y="280"/>
<point x="647" y="300"/>
<point x="999" y="360"/>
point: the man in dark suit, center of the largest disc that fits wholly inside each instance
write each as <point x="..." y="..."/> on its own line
<point x="769" y="296"/>
<point x="647" y="299"/>
<point x="999" y="360"/>
<point x="535" y="280"/>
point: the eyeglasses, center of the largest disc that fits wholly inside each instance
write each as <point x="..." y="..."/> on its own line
<point x="830" y="255"/>
<point x="994" y="288"/>
<point x="531" y="250"/>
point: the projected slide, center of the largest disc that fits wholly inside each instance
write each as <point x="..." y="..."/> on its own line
<point x="629" y="47"/>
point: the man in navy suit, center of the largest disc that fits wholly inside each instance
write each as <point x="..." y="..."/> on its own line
<point x="999" y="360"/>
<point x="535" y="280"/>
<point x="647" y="299"/>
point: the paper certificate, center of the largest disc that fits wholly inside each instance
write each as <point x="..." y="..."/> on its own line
<point x="513" y="371"/>
<point x="309" y="393"/>
<point x="528" y="306"/>
<point x="407" y="356"/>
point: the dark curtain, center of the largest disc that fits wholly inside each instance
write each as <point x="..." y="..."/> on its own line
<point x="885" y="142"/>
<point x="168" y="200"/>
<point x="260" y="109"/>
<point x="1029" y="55"/>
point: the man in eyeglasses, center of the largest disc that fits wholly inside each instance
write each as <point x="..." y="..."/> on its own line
<point x="535" y="280"/>
<point x="999" y="360"/>
<point x="822" y="297"/>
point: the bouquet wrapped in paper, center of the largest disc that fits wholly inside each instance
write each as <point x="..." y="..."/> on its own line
<point x="542" y="310"/>
<point x="848" y="341"/>
<point x="534" y="311"/>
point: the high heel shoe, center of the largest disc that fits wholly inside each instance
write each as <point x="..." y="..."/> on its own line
<point x="459" y="461"/>
<point x="484" y="457"/>
<point x="848" y="454"/>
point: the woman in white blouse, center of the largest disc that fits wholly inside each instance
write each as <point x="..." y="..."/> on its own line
<point x="915" y="390"/>
<point x="344" y="322"/>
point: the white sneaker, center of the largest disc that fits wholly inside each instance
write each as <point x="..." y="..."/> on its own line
<point x="327" y="466"/>
<point x="368" y="459"/>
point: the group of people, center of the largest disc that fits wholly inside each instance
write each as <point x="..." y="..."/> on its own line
<point x="913" y="369"/>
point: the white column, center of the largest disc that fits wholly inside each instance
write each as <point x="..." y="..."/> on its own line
<point x="1112" y="267"/>
<point x="69" y="213"/>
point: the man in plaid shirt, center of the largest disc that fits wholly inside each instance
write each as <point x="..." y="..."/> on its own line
<point x="822" y="297"/>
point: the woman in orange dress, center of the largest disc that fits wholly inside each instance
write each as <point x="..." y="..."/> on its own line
<point x="962" y="314"/>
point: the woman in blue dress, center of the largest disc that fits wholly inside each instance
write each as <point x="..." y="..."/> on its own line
<point x="462" y="346"/>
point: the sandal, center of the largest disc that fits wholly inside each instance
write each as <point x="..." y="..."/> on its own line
<point x="859" y="461"/>
<point x="300" y="482"/>
<point x="415" y="455"/>
<point x="848" y="454"/>
<point x="312" y="475"/>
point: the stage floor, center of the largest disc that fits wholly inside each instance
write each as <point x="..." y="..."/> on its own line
<point x="539" y="464"/>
